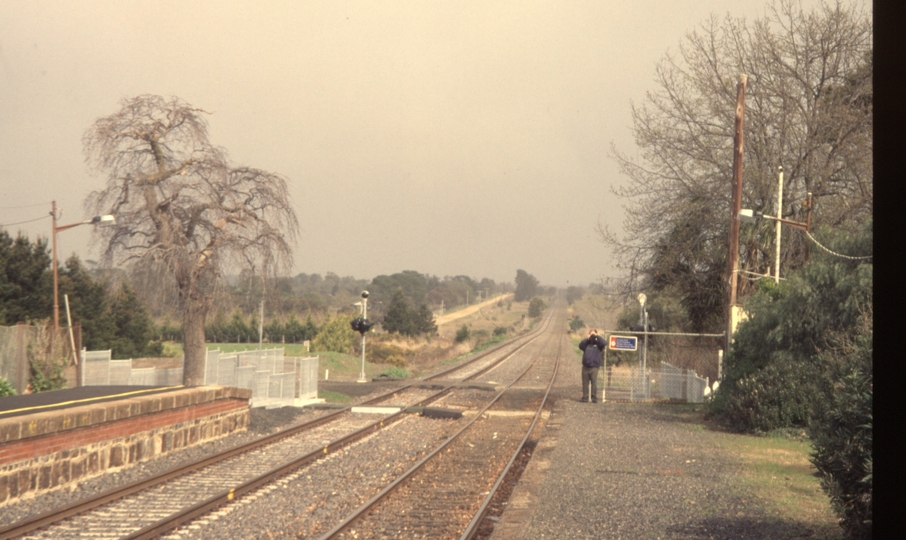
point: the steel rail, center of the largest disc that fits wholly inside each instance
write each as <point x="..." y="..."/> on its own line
<point x="181" y="518"/>
<point x="472" y="529"/>
<point x="53" y="516"/>
<point x="368" y="505"/>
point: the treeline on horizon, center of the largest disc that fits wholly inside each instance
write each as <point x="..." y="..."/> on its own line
<point x="132" y="312"/>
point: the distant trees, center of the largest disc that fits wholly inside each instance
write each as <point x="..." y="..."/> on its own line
<point x="536" y="307"/>
<point x="402" y="319"/>
<point x="526" y="286"/>
<point x="808" y="108"/>
<point x="181" y="205"/>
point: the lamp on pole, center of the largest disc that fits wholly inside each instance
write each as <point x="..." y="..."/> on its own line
<point x="747" y="215"/>
<point x="104" y="221"/>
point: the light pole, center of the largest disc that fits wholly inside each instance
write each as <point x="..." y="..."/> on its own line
<point x="747" y="215"/>
<point x="103" y="221"/>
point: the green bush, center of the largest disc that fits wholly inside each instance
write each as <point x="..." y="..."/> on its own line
<point x="396" y="373"/>
<point x="463" y="334"/>
<point x="501" y="330"/>
<point x="6" y="389"/>
<point x="536" y="307"/>
<point x="575" y="324"/>
<point x="841" y="434"/>
<point x="336" y="335"/>
<point x="775" y="376"/>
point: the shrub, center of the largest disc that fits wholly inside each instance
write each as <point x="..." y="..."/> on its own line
<point x="575" y="324"/>
<point x="536" y="307"/>
<point x="396" y="373"/>
<point x="6" y="389"/>
<point x="463" y="334"/>
<point x="841" y="434"/>
<point x="335" y="335"/>
<point x="775" y="376"/>
<point x="46" y="360"/>
<point x="501" y="330"/>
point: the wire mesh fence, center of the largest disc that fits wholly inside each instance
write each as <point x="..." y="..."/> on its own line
<point x="676" y="367"/>
<point x="38" y="349"/>
<point x="274" y="379"/>
<point x="663" y="382"/>
<point x="99" y="369"/>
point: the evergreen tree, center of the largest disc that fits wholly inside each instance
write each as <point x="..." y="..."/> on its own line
<point x="133" y="329"/>
<point x="26" y="288"/>
<point x="424" y="320"/>
<point x="88" y="306"/>
<point x="398" y="318"/>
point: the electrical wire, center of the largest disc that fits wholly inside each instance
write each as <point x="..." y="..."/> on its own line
<point x="21" y="222"/>
<point x="24" y="206"/>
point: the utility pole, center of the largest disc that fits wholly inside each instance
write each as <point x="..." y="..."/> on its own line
<point x="778" y="224"/>
<point x="733" y="254"/>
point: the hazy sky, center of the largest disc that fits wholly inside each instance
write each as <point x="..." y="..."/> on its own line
<point x="443" y="137"/>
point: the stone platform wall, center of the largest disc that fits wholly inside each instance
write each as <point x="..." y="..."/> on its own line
<point x="56" y="449"/>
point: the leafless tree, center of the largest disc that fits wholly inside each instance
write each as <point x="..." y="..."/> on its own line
<point x="808" y="108"/>
<point x="180" y="205"/>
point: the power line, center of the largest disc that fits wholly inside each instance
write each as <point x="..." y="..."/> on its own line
<point x="25" y="206"/>
<point x="21" y="222"/>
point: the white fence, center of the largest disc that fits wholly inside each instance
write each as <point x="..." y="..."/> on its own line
<point x="666" y="382"/>
<point x="98" y="369"/>
<point x="274" y="379"/>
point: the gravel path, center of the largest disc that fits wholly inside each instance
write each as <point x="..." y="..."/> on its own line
<point x="631" y="471"/>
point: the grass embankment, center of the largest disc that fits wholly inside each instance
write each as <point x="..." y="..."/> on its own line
<point x="775" y="469"/>
<point x="778" y="470"/>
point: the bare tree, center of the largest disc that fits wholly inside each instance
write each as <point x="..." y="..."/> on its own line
<point x="180" y="205"/>
<point x="808" y="109"/>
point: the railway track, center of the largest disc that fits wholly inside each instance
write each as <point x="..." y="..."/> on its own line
<point x="446" y="494"/>
<point x="154" y="506"/>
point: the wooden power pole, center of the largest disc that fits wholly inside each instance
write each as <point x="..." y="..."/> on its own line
<point x="733" y="255"/>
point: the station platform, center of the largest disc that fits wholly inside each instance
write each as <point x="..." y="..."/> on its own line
<point x="634" y="470"/>
<point x="25" y="404"/>
<point x="51" y="440"/>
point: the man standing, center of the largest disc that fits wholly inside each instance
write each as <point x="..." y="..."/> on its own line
<point x="591" y="362"/>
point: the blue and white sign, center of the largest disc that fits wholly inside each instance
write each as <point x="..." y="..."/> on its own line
<point x="624" y="343"/>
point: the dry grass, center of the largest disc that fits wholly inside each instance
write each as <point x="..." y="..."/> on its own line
<point x="779" y="471"/>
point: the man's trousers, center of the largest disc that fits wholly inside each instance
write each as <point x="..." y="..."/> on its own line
<point x="590" y="376"/>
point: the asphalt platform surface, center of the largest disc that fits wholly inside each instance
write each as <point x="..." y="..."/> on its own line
<point x="19" y="405"/>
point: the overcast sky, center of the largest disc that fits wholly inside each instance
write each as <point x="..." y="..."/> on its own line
<point x="467" y="137"/>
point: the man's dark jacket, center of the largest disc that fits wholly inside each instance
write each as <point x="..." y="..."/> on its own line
<point x="591" y="357"/>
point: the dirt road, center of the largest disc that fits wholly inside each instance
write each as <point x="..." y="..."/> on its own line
<point x="452" y="316"/>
